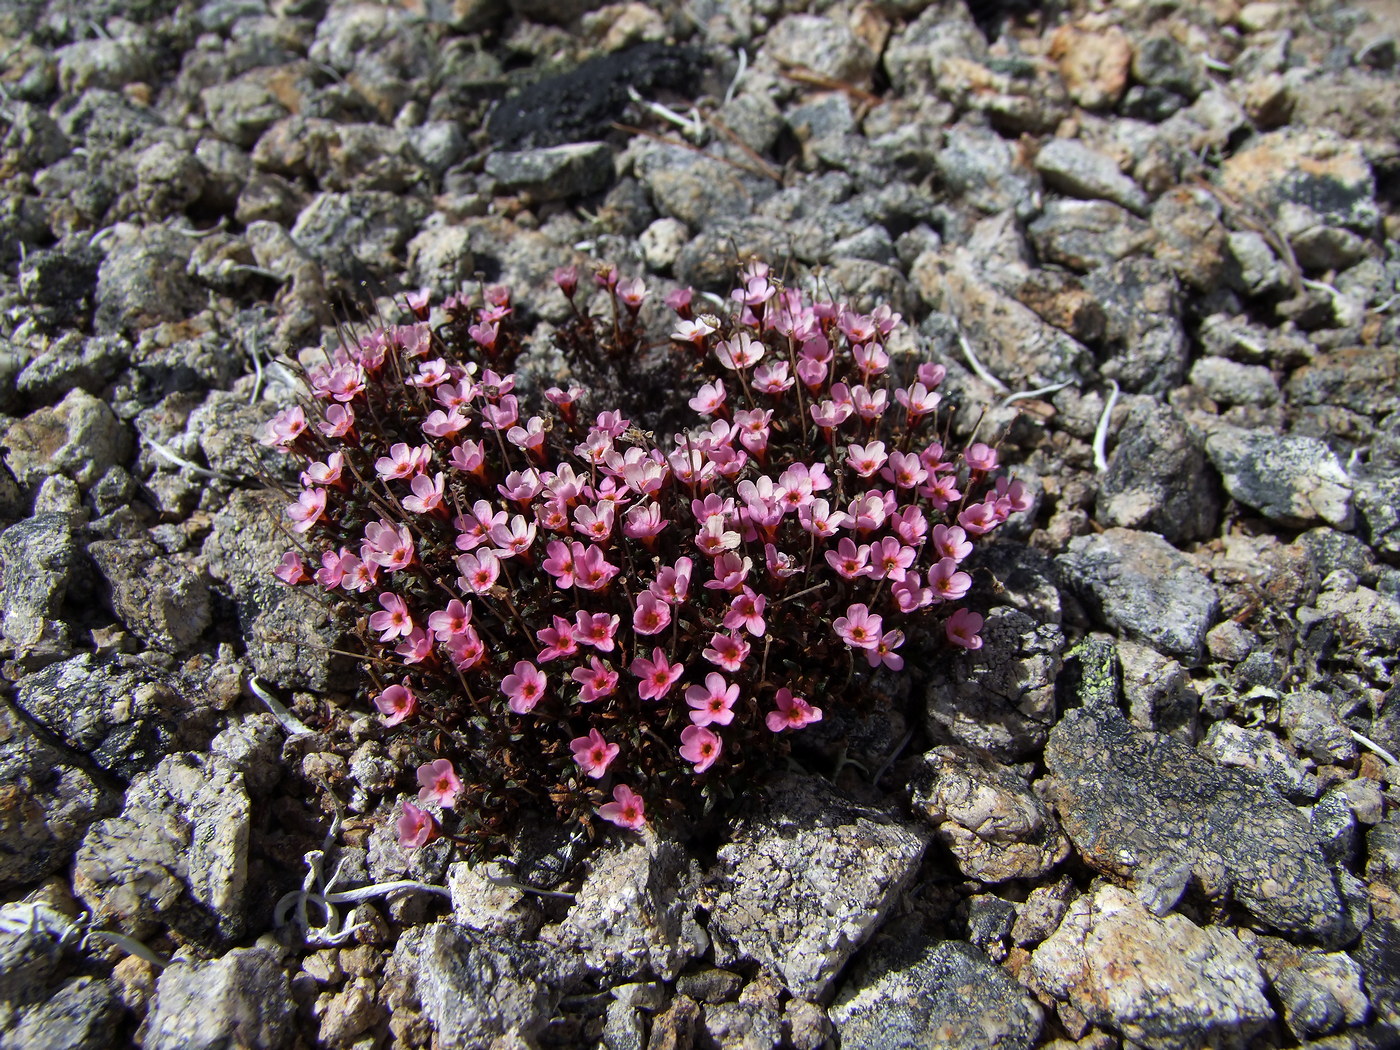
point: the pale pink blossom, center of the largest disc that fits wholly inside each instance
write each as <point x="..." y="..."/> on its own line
<point x="416" y="647"/>
<point x="859" y="628"/>
<point x="627" y="810"/>
<point x="592" y="571"/>
<point x="438" y="782"/>
<point x="596" y="523"/>
<point x="672" y="582"/>
<point x="529" y="437"/>
<point x="394" y="620"/>
<point x="746" y="611"/>
<point x="741" y="352"/>
<point x="772" y="378"/>
<point x="657" y="674"/>
<point x="597" y="679"/>
<point x="403" y="461"/>
<point x="643" y="522"/>
<point x="980" y="518"/>
<point x="652" y="615"/>
<point x="726" y="650"/>
<point x="524" y="687"/>
<point x="700" y="746"/>
<point x="793" y="712"/>
<point x="870" y="404"/>
<point x="465" y="650"/>
<point x="593" y="753"/>
<point x="950" y="541"/>
<point x="327" y="473"/>
<point x="309" y="508"/>
<point x="291" y="569"/>
<point x="948" y="583"/>
<point x="397" y="703"/>
<point x="479" y="570"/>
<point x="910" y="525"/>
<point x="904" y="470"/>
<point x="427" y="494"/>
<point x="454" y="619"/>
<point x="884" y="651"/>
<point x="713" y="702"/>
<point x="980" y="456"/>
<point x="469" y="457"/>
<point x="444" y="424"/>
<point x="849" y="560"/>
<point x="560" y="563"/>
<point x="388" y="546"/>
<point x="819" y="519"/>
<point x="558" y="640"/>
<point x="865" y="460"/>
<point x="962" y="629"/>
<point x="415" y="827"/>
<point x="709" y="399"/>
<point x="596" y="629"/>
<point x="889" y="558"/>
<point x="283" y="429"/>
<point x="910" y="593"/>
<point x="339" y="421"/>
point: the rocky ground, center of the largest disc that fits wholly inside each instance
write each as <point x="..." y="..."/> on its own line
<point x="1154" y="239"/>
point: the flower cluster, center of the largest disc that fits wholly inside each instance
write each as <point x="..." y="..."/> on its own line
<point x="567" y="615"/>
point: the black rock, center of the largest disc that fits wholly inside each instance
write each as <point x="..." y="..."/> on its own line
<point x="582" y="104"/>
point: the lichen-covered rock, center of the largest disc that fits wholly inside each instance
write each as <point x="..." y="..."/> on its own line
<point x="160" y="600"/>
<point x="38" y="557"/>
<point x="802" y="884"/>
<point x="1293" y="480"/>
<point x="176" y="856"/>
<point x="80" y="437"/>
<point x="241" y="999"/>
<point x="1157" y="478"/>
<point x="927" y="994"/>
<point x="1147" y="808"/>
<point x="1165" y="983"/>
<point x="633" y="914"/>
<point x="989" y="818"/>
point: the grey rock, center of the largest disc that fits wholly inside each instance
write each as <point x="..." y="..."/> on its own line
<point x="1362" y="378"/>
<point x="1191" y="238"/>
<point x="554" y="173"/>
<point x="105" y="121"/>
<point x="226" y="171"/>
<point x="1314" y="727"/>
<point x="1001" y="698"/>
<point x="1377" y="501"/>
<point x="24" y="221"/>
<point x="241" y="109"/>
<point x="1383" y="854"/>
<point x="1238" y="340"/>
<point x="61" y="284"/>
<point x="1081" y="171"/>
<point x="1142" y="305"/>
<point x="253" y="746"/>
<point x="143" y="282"/>
<point x="705" y="261"/>
<point x="1368" y="620"/>
<point x="474" y="987"/>
<point x="697" y="190"/>
<point x="73" y="361"/>
<point x="1257" y="270"/>
<point x="1232" y="383"/>
<point x="986" y="171"/>
<point x="743" y="1024"/>
<point x="482" y="901"/>
<point x="160" y="600"/>
<point x="825" y="126"/>
<point x="49" y="805"/>
<point x="168" y="180"/>
<point x="122" y="715"/>
<point x="80" y="1015"/>
<point x="1041" y="913"/>
<point x="1162" y="61"/>
<point x="918" y="49"/>
<point x="710" y="986"/>
<point x="987" y="816"/>
<point x="242" y="998"/>
<point x="439" y="144"/>
<point x="340" y="156"/>
<point x="32" y="140"/>
<point x="755" y="118"/>
<point x="102" y="63"/>
<point x="1330" y="550"/>
<point x="385" y="52"/>
<point x="632" y="915"/>
<point x="1146" y="808"/>
<point x="1137" y="583"/>
<point x="826" y="46"/>
<point x="1292" y="480"/>
<point x="80" y="437"/>
<point x="38" y="559"/>
<point x="1320" y="992"/>
<point x="934" y="994"/>
<point x="440" y="258"/>
<point x="1010" y="339"/>
<point x="1164" y="983"/>
<point x="1083" y="235"/>
<point x="369" y="228"/>
<point x="1158" y="479"/>
<point x="1302" y="178"/>
<point x="1159" y="691"/>
<point x="803" y="883"/>
<point x="1261" y="751"/>
<point x="1334" y="825"/>
<point x="177" y="855"/>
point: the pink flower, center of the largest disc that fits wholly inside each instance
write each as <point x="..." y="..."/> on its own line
<point x="713" y="702"/>
<point x="726" y="650"/>
<point x="388" y="546"/>
<point x="889" y="559"/>
<point x="427" y="494"/>
<point x="657" y="674"/>
<point x="444" y="424"/>
<point x="652" y="615"/>
<point x="465" y="650"/>
<point x="469" y="457"/>
<point x="673" y="581"/>
<point x="962" y="628"/>
<point x="309" y="508"/>
<point x="557" y="640"/>
<point x="449" y="621"/>
<point x="830" y="414"/>
<point x="817" y="517"/>
<point x="980" y="518"/>
<point x="746" y="611"/>
<point x="910" y="525"/>
<point x="709" y="399"/>
<point x="597" y="679"/>
<point x="772" y="378"/>
<point x="981" y="457"/>
<point x="596" y="629"/>
<point x="416" y="827"/>
<point x="730" y="572"/>
<point x="849" y="560"/>
<point x="439" y="783"/>
<point x="339" y="421"/>
<point x="291" y="570"/>
<point x="403" y="462"/>
<point x="513" y="539"/>
<point x="865" y="460"/>
<point x="282" y="430"/>
<point x="595" y="523"/>
<point x="904" y="470"/>
<point x="560" y="563"/>
<point x="479" y="571"/>
<point x="416" y="646"/>
<point x="917" y="400"/>
<point x="793" y="712"/>
<point x="859" y="628"/>
<point x="593" y="753"/>
<point x="627" y="809"/>
<point x="700" y="746"/>
<point x="397" y="703"/>
<point x="566" y="277"/>
<point x="394" y="621"/>
<point x="870" y="405"/>
<point x="884" y="651"/>
<point x="591" y="570"/>
<point x="327" y="473"/>
<point x="643" y="521"/>
<point x="910" y="593"/>
<point x="739" y="353"/>
<point x="525" y="687"/>
<point x="948" y="583"/>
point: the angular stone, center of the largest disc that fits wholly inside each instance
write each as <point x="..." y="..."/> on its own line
<point x="1146" y="808"/>
<point x="1138" y="583"/>
<point x="1165" y="983"/>
<point x="933" y="995"/>
<point x="803" y="884"/>
<point x="987" y="816"/>
<point x="1081" y="171"/>
<point x="161" y="601"/>
<point x="1083" y="235"/>
<point x="1157" y="477"/>
<point x="242" y="998"/>
<point x="1296" y="481"/>
<point x="38" y="557"/>
<point x="80" y="437"/>
<point x="556" y="173"/>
